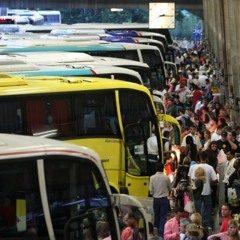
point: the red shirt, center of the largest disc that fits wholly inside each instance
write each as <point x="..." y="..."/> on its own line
<point x="196" y="95"/>
<point x="224" y="226"/>
<point x="168" y="169"/>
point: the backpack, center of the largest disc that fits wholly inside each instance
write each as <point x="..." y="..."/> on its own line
<point x="210" y="96"/>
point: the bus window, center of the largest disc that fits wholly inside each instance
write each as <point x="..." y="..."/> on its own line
<point x="73" y="192"/>
<point x="20" y="200"/>
<point x="11" y="117"/>
<point x="46" y="114"/>
<point x="157" y="67"/>
<point x="100" y="115"/>
<point x="129" y="54"/>
<point x="136" y="116"/>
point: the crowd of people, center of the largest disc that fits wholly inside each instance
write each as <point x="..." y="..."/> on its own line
<point x="206" y="177"/>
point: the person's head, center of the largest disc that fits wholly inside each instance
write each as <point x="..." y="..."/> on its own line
<point x="237" y="129"/>
<point x="201" y="134"/>
<point x="232" y="135"/>
<point x="224" y="136"/>
<point x="186" y="161"/>
<point x="124" y="190"/>
<point x="192" y="130"/>
<point x="220" y="129"/>
<point x="230" y="154"/>
<point x="177" y="98"/>
<point x="196" y="218"/>
<point x="233" y="228"/>
<point x="222" y="121"/>
<point x="171" y="101"/>
<point x="159" y="167"/>
<point x="203" y="157"/>
<point x="166" y="134"/>
<point x="168" y="158"/>
<point x="236" y="164"/>
<point x="226" y="210"/>
<point x="131" y="219"/>
<point x="193" y="230"/>
<point x="213" y="146"/>
<point x="200" y="174"/>
<point x="183" y="224"/>
<point x="205" y="109"/>
<point x="189" y="140"/>
<point x="179" y="213"/>
<point x="207" y="134"/>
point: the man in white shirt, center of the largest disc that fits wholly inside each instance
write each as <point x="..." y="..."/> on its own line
<point x="206" y="210"/>
<point x="195" y="137"/>
<point x="217" y="134"/>
<point x="229" y="169"/>
<point x="182" y="90"/>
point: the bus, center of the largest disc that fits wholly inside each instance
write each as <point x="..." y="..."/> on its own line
<point x="150" y="55"/>
<point x="56" y="190"/>
<point x="38" y="17"/>
<point x="64" y="71"/>
<point x="35" y="61"/>
<point x="114" y="118"/>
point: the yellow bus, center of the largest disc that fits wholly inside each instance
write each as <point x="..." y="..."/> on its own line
<point x="55" y="190"/>
<point x="114" y="118"/>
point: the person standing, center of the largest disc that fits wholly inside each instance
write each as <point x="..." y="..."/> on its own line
<point x="228" y="171"/>
<point x="160" y="188"/>
<point x="200" y="179"/>
<point x="172" y="226"/>
<point x="227" y="214"/>
<point x="211" y="177"/>
<point x="131" y="231"/>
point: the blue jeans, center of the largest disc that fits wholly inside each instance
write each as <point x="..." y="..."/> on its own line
<point x="160" y="208"/>
<point x="198" y="205"/>
<point x="206" y="210"/>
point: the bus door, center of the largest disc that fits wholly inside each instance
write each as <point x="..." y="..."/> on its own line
<point x="138" y="167"/>
<point x="172" y="125"/>
<point x="171" y="69"/>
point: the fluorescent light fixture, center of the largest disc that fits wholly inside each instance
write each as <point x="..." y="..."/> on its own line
<point x="116" y="9"/>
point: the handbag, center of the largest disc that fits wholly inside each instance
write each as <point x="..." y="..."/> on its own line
<point x="189" y="207"/>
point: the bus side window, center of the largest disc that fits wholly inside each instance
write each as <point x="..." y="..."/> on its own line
<point x="11" y="117"/>
<point x="61" y="116"/>
<point x="35" y="115"/>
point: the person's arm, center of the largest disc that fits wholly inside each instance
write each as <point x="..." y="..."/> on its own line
<point x="220" y="235"/>
<point x="151" y="187"/>
<point x="168" y="234"/>
<point x="232" y="144"/>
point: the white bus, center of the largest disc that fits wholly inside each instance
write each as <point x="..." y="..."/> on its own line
<point x="150" y="55"/>
<point x="56" y="190"/>
<point x="38" y="17"/>
<point x="65" y="71"/>
<point x="72" y="61"/>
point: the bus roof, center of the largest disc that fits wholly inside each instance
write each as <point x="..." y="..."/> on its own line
<point x="18" y="146"/>
<point x="36" y="46"/>
<point x="84" y="71"/>
<point x="16" y="86"/>
<point x="73" y="59"/>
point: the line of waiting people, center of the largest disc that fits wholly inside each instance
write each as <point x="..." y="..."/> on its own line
<point x="208" y="172"/>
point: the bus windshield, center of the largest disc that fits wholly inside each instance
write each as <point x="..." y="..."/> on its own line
<point x="73" y="187"/>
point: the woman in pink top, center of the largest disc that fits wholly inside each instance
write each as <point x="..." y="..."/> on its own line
<point x="231" y="234"/>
